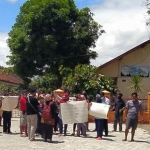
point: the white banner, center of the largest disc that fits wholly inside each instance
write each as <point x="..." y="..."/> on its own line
<point x="99" y="110"/>
<point x="9" y="103"/>
<point x="74" y="112"/>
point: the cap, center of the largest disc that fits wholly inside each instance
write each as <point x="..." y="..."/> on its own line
<point x="33" y="91"/>
<point x="24" y="91"/>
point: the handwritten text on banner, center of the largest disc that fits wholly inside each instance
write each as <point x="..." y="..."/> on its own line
<point x="74" y="112"/>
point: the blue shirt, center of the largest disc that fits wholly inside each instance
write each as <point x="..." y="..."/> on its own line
<point x="119" y="104"/>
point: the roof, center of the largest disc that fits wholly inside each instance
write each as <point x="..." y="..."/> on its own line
<point x="10" y="78"/>
<point x="124" y="54"/>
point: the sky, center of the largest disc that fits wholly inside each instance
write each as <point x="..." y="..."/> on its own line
<point x="123" y="21"/>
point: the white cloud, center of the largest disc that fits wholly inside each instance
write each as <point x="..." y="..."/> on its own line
<point x="123" y="21"/>
<point x="4" y="50"/>
<point x="12" y="1"/>
<point x="125" y="26"/>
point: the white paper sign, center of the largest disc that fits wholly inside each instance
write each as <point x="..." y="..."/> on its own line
<point x="99" y="110"/>
<point x="74" y="112"/>
<point x="9" y="103"/>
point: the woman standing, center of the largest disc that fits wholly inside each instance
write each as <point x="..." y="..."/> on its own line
<point x="48" y="113"/>
<point x="39" y="125"/>
<point x="56" y="116"/>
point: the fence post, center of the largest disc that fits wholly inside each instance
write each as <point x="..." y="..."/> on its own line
<point x="148" y="107"/>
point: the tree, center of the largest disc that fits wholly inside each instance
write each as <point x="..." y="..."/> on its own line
<point x="136" y="84"/>
<point x="5" y="88"/>
<point x="51" y="33"/>
<point x="46" y="83"/>
<point x="86" y="77"/>
<point x="106" y="83"/>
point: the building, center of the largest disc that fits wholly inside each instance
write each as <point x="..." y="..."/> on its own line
<point x="123" y="67"/>
<point x="9" y="82"/>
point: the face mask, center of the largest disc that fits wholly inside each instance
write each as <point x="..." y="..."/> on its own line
<point x="119" y="97"/>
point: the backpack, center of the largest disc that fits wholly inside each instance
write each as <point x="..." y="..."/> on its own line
<point x="46" y="115"/>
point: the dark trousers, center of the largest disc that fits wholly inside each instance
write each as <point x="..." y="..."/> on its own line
<point x="61" y="127"/>
<point x="96" y="124"/>
<point x="39" y="126"/>
<point x="6" y="121"/>
<point x="56" y="122"/>
<point x="47" y="131"/>
<point x="81" y="127"/>
<point x="118" y="118"/>
<point x="105" y="126"/>
<point x="100" y="127"/>
<point x="74" y="127"/>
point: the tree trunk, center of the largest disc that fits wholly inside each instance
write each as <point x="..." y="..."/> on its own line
<point x="59" y="76"/>
<point x="59" y="83"/>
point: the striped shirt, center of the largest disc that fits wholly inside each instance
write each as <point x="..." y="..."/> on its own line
<point x="133" y="108"/>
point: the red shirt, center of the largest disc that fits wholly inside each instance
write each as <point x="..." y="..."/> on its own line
<point x="63" y="101"/>
<point x="23" y="106"/>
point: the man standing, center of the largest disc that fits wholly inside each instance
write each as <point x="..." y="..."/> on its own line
<point x="106" y="101"/>
<point x="119" y="106"/>
<point x="32" y="111"/>
<point x="23" y="113"/>
<point x="133" y="107"/>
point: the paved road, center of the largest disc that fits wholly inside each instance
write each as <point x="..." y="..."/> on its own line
<point x="113" y="141"/>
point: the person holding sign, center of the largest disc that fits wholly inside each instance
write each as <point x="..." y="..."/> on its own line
<point x="6" y="120"/>
<point x="1" y="98"/>
<point x="81" y="126"/>
<point x="48" y="118"/>
<point x="99" y="124"/>
<point x="106" y="101"/>
<point x="62" y="99"/>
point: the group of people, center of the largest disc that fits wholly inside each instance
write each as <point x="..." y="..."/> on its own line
<point x="40" y="114"/>
<point x="132" y="109"/>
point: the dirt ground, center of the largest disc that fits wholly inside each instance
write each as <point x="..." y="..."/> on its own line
<point x="145" y="127"/>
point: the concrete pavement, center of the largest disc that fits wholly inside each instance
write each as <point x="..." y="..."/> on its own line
<point x="113" y="141"/>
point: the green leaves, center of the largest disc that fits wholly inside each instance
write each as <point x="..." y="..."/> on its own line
<point x="46" y="29"/>
<point x="47" y="83"/>
<point x="136" y="84"/>
<point x="85" y="77"/>
<point x="5" y="88"/>
<point x="106" y="83"/>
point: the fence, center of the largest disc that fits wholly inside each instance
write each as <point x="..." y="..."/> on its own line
<point x="145" y="104"/>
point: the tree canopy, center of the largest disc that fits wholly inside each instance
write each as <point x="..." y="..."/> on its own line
<point x="49" y="34"/>
<point x="47" y="83"/>
<point x="86" y="77"/>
